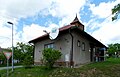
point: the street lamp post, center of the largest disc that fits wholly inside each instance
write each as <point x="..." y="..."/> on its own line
<point x="12" y="46"/>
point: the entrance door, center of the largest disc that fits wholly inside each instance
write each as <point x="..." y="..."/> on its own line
<point x="91" y="52"/>
<point x="91" y="55"/>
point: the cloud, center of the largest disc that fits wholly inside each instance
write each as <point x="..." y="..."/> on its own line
<point x="34" y="30"/>
<point x="103" y="10"/>
<point x="5" y="34"/>
<point x="108" y="32"/>
<point x="61" y="8"/>
<point x="57" y="9"/>
<point x="13" y="11"/>
<point x="65" y="9"/>
<point x="23" y="8"/>
<point x="105" y="31"/>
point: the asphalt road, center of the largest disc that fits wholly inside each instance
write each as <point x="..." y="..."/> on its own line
<point x="2" y="68"/>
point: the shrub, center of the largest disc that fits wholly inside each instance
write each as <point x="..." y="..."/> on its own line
<point x="28" y="61"/>
<point x="50" y="56"/>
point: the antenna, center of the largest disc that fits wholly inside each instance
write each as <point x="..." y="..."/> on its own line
<point x="54" y="33"/>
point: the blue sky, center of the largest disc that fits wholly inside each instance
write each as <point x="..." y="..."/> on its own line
<point x="31" y="17"/>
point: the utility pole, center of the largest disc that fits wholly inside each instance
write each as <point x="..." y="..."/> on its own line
<point x="12" y="46"/>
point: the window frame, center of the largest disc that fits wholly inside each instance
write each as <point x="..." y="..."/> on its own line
<point x="49" y="44"/>
<point x="78" y="43"/>
<point x="83" y="46"/>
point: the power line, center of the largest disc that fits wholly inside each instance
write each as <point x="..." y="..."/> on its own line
<point x="106" y="18"/>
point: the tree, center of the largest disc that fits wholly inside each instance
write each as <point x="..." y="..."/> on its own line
<point x="23" y="53"/>
<point x="115" y="12"/>
<point x="2" y="58"/>
<point x="18" y="55"/>
<point x="50" y="56"/>
<point x="112" y="48"/>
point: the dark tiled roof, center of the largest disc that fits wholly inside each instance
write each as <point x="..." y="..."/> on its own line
<point x="64" y="28"/>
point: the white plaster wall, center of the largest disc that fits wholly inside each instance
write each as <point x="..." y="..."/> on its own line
<point x="62" y="43"/>
<point x="80" y="56"/>
<point x="39" y="47"/>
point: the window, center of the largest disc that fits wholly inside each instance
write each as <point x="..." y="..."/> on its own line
<point x="83" y="46"/>
<point x="78" y="43"/>
<point x="50" y="45"/>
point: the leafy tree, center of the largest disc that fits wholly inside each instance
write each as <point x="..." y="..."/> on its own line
<point x="18" y="55"/>
<point x="22" y="51"/>
<point x="112" y="48"/>
<point x="2" y="58"/>
<point x="116" y="11"/>
<point x="50" y="56"/>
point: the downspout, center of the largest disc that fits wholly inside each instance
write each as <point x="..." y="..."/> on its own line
<point x="71" y="51"/>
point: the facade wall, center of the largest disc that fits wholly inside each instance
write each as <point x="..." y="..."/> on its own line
<point x="80" y="56"/>
<point x="63" y="44"/>
<point x="39" y="47"/>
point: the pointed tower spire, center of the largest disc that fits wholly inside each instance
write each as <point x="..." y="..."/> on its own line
<point x="76" y="18"/>
<point x="77" y="23"/>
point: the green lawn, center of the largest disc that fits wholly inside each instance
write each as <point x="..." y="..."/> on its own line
<point x="109" y="68"/>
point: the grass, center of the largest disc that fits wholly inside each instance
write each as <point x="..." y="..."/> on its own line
<point x="109" y="68"/>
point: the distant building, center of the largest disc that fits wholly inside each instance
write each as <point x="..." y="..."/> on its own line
<point x="77" y="46"/>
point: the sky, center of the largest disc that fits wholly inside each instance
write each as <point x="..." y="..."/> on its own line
<point x="31" y="17"/>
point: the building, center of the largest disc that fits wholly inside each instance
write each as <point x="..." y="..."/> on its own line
<point x="77" y="46"/>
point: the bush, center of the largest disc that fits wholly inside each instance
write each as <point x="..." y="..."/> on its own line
<point x="28" y="61"/>
<point x="50" y="56"/>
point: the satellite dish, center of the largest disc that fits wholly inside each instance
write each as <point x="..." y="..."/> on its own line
<point x="54" y="33"/>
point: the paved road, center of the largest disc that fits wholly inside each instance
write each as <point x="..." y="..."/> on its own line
<point x="2" y="68"/>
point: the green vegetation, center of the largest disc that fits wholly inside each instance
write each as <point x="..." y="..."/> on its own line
<point x="50" y="56"/>
<point x="109" y="68"/>
<point x="116" y="11"/>
<point x="23" y="54"/>
<point x="22" y="51"/>
<point x="112" y="48"/>
<point x="28" y="61"/>
<point x="2" y="56"/>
